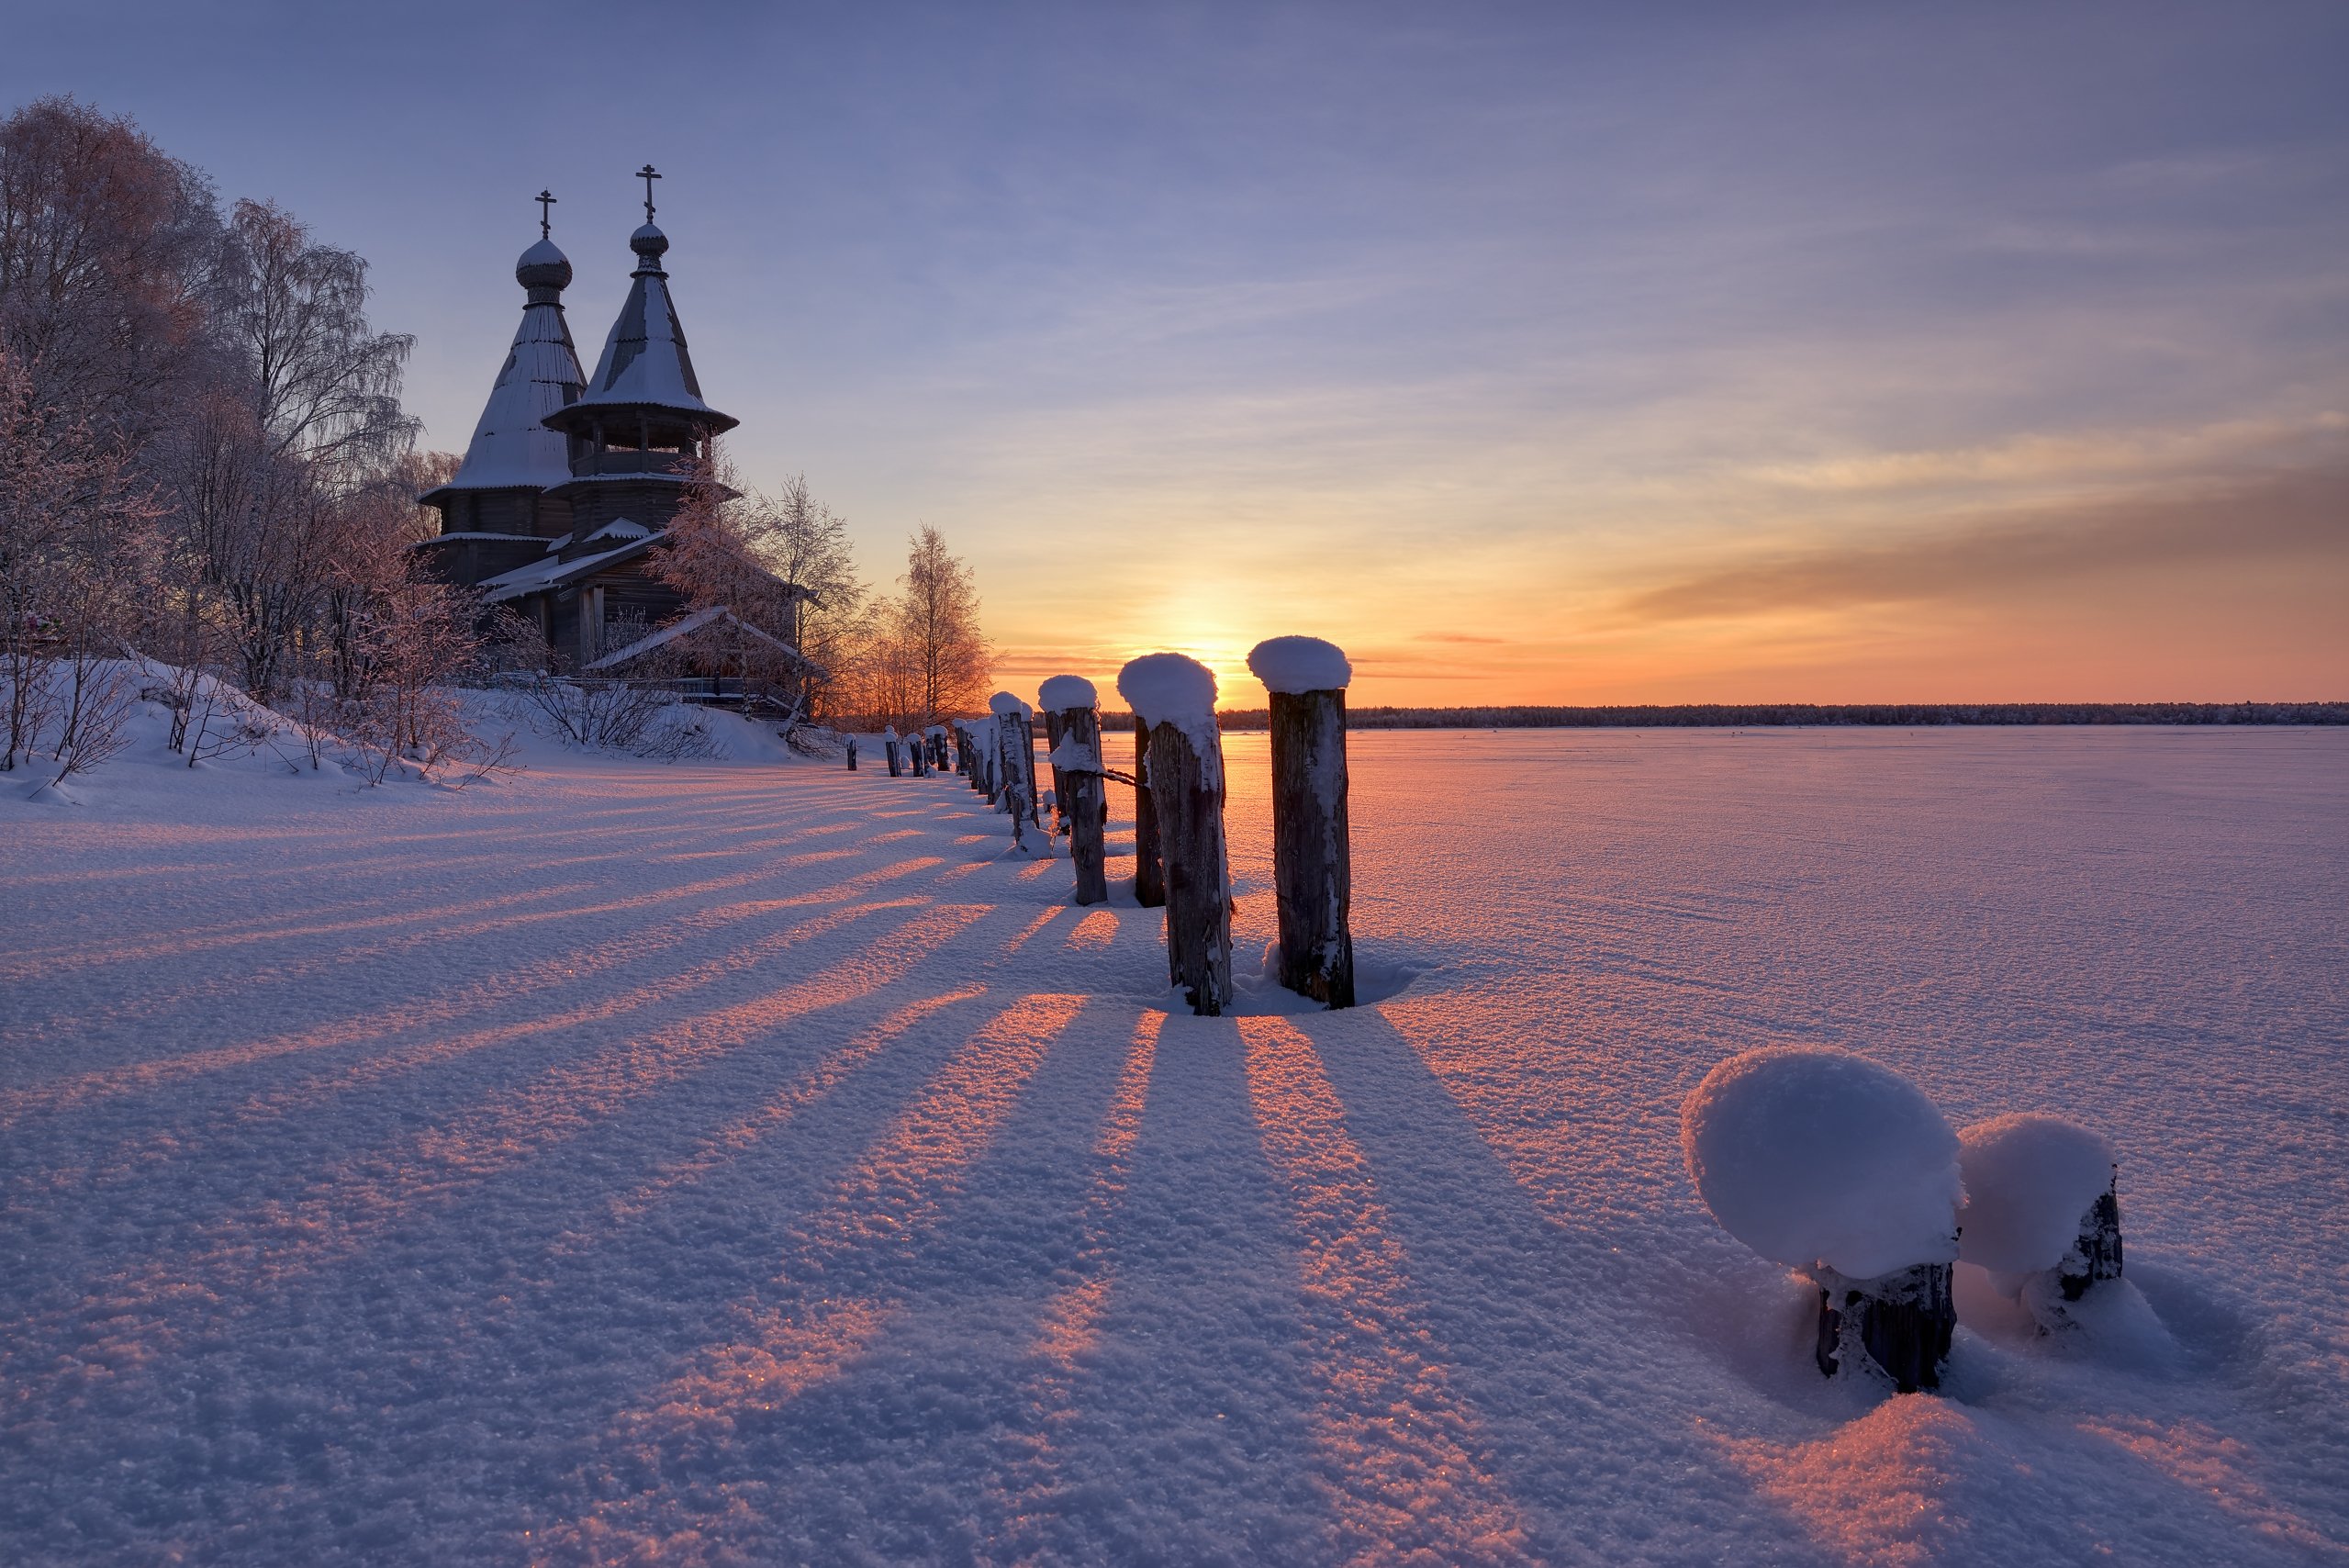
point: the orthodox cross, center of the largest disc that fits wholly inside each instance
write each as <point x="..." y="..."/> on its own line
<point x="648" y="174"/>
<point x="545" y="198"/>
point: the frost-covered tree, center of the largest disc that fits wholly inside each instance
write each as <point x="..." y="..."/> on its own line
<point x="109" y="249"/>
<point x="78" y="553"/>
<point x="935" y="629"/>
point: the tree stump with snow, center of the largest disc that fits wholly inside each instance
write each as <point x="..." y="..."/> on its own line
<point x="1312" y="857"/>
<point x="1175" y="695"/>
<point x="2042" y="1211"/>
<point x="1149" y="867"/>
<point x="2097" y="1254"/>
<point x="1903" y="1320"/>
<point x="1840" y="1168"/>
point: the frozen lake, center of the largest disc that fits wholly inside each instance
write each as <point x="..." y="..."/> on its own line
<point x="727" y="1162"/>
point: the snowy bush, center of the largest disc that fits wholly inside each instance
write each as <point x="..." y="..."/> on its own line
<point x="2030" y="1180"/>
<point x="1813" y="1156"/>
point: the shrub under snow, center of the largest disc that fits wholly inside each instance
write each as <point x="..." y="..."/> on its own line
<point x="1815" y="1156"/>
<point x="2029" y="1180"/>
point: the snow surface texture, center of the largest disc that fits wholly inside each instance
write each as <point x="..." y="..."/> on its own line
<point x="750" y="1162"/>
<point x="1812" y="1155"/>
<point x="1061" y="692"/>
<point x="2030" y="1179"/>
<point x="1300" y="664"/>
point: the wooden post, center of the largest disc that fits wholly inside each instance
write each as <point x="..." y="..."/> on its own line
<point x="852" y="754"/>
<point x="1080" y="795"/>
<point x="1187" y="782"/>
<point x="989" y="773"/>
<point x="1054" y="728"/>
<point x="1026" y="722"/>
<point x="1312" y="857"/>
<point x="1149" y="870"/>
<point x="889" y="743"/>
<point x="1175" y="695"/>
<point x="1903" y="1320"/>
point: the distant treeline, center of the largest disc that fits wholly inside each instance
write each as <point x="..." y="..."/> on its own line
<point x="1729" y="715"/>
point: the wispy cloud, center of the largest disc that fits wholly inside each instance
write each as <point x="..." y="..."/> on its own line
<point x="2301" y="515"/>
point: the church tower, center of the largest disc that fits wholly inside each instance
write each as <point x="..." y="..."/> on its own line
<point x="636" y="429"/>
<point x="495" y="512"/>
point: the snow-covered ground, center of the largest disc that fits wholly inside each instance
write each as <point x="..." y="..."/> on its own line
<point x="747" y="1162"/>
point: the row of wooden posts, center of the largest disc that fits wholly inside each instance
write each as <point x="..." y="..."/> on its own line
<point x="1180" y="859"/>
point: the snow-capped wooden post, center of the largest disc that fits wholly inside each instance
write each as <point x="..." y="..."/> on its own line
<point x="1176" y="697"/>
<point x="1079" y="793"/>
<point x="852" y="754"/>
<point x="986" y="769"/>
<point x="1839" y="1167"/>
<point x="1015" y="726"/>
<point x="1149" y="869"/>
<point x="1311" y="859"/>
<point x="1052" y="732"/>
<point x="889" y="743"/>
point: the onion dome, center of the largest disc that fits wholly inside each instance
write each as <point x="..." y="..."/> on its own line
<point x="543" y="266"/>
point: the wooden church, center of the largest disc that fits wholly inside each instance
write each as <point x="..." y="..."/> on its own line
<point x="570" y="481"/>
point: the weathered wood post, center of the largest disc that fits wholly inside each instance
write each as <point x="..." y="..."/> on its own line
<point x="1079" y="793"/>
<point x="889" y="743"/>
<point x="1149" y="869"/>
<point x="1176" y="697"/>
<point x="852" y="754"/>
<point x="1015" y="727"/>
<point x="989" y="772"/>
<point x="1005" y="709"/>
<point x="1025" y="722"/>
<point x="1312" y="858"/>
<point x="1052" y="730"/>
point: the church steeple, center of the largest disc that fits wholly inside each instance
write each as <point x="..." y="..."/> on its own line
<point x="513" y="457"/>
<point x="639" y="423"/>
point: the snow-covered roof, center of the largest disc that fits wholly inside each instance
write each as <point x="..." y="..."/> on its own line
<point x="553" y="571"/>
<point x="621" y="528"/>
<point x="511" y="447"/>
<point x="688" y="624"/>
<point x="644" y="362"/>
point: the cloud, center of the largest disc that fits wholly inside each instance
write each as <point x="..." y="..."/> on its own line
<point x="2302" y="516"/>
<point x="1455" y="637"/>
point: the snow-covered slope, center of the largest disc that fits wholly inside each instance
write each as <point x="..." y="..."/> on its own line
<point x="747" y="1163"/>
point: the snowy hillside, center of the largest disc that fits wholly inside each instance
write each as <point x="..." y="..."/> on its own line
<point x="738" y="1162"/>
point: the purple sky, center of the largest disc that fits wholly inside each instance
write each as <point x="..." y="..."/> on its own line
<point x="1560" y="352"/>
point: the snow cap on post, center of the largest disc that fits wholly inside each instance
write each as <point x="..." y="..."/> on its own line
<point x="1815" y="1156"/>
<point x="1169" y="689"/>
<point x="2030" y="1180"/>
<point x="1004" y="705"/>
<point x="888" y="731"/>
<point x="1063" y="692"/>
<point x="1293" y="665"/>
